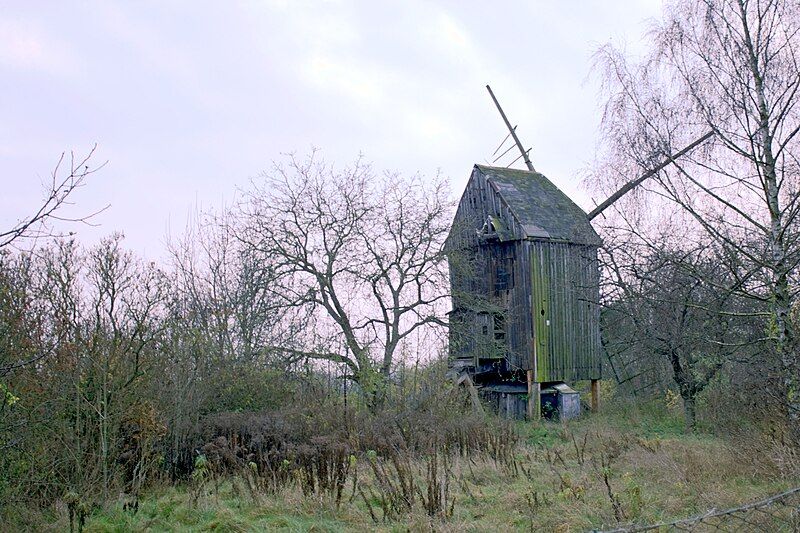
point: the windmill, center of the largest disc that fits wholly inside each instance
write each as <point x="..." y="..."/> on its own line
<point x="526" y="318"/>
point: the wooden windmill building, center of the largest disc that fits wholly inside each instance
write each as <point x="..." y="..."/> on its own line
<point x="525" y="285"/>
<point x="524" y="280"/>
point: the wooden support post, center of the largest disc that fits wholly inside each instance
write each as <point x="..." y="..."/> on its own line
<point x="534" y="387"/>
<point x="595" y="395"/>
<point x="534" y="397"/>
<point x="466" y="381"/>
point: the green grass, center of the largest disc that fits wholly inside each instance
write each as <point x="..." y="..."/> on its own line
<point x="656" y="471"/>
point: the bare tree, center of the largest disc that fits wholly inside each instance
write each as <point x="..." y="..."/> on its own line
<point x="219" y="329"/>
<point x="21" y="317"/>
<point x="729" y="66"/>
<point x="58" y="192"/>
<point x="357" y="258"/>
<point x="667" y="319"/>
<point x="99" y="315"/>
<point x="226" y="288"/>
<point x="123" y="322"/>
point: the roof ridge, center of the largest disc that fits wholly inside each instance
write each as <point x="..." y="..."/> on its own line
<point x="542" y="209"/>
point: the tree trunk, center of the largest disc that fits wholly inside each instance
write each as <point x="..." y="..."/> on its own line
<point x="681" y="374"/>
<point x="374" y="386"/>
<point x="781" y="297"/>
<point x="690" y="411"/>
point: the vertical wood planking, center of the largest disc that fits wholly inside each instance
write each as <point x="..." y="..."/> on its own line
<point x="564" y="282"/>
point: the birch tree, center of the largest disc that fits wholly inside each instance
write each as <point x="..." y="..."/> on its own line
<point x="728" y="66"/>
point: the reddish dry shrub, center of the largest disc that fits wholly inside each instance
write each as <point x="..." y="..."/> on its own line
<point x="319" y="444"/>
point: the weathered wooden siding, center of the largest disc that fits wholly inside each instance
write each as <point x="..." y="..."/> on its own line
<point x="479" y="202"/>
<point x="475" y="265"/>
<point x="506" y="402"/>
<point x="518" y="311"/>
<point x="506" y="274"/>
<point x="566" y="313"/>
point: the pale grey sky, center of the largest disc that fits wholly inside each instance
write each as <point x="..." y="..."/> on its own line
<point x="188" y="100"/>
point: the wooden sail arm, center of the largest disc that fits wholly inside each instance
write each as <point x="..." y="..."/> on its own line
<point x="634" y="183"/>
<point x="513" y="132"/>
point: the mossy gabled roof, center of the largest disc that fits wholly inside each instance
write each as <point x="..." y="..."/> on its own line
<point x="543" y="211"/>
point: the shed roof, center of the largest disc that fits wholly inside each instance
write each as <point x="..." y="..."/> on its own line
<point x="543" y="211"/>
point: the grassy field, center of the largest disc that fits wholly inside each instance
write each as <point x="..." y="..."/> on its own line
<point x="621" y="466"/>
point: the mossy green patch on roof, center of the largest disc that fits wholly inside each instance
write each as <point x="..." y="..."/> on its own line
<point x="543" y="211"/>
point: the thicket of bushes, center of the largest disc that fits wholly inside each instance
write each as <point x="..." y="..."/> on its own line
<point x="265" y="429"/>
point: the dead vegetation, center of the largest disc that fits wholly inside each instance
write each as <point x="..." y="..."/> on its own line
<point x="303" y="469"/>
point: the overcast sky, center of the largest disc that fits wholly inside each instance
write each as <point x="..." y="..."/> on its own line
<point x="189" y="100"/>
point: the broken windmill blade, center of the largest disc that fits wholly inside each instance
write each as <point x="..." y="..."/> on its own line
<point x="622" y="191"/>
<point x="504" y="153"/>
<point x="511" y="131"/>
<point x="503" y="142"/>
<point x="525" y="154"/>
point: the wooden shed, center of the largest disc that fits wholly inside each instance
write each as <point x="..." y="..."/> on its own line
<point x="525" y="287"/>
